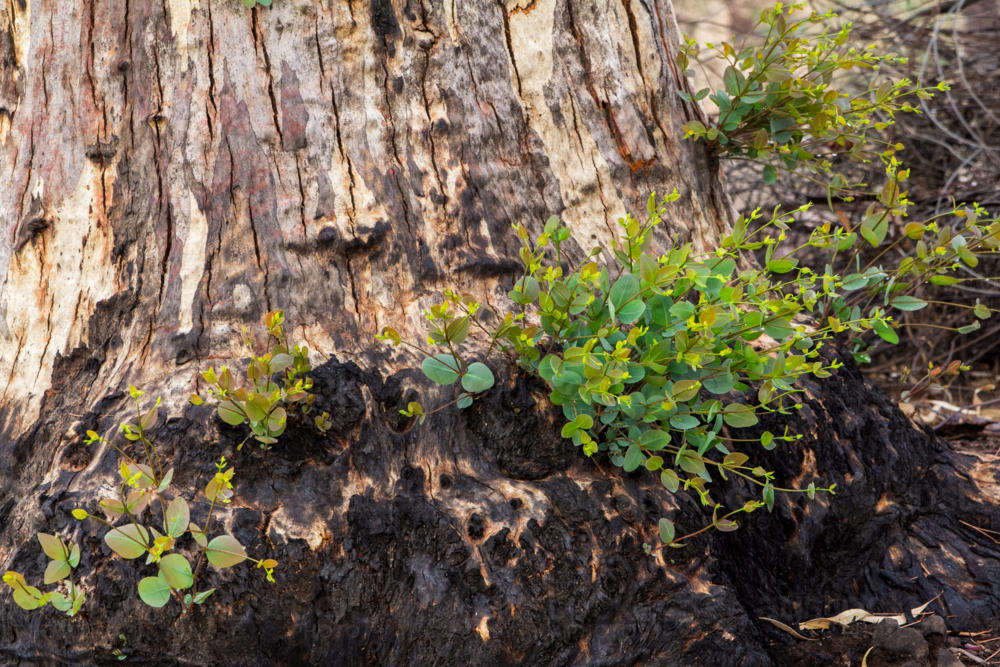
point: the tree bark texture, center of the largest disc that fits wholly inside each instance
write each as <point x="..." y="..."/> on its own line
<point x="179" y="168"/>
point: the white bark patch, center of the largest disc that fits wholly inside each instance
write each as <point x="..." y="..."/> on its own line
<point x="192" y="263"/>
<point x="63" y="272"/>
<point x="575" y="159"/>
<point x="180" y="20"/>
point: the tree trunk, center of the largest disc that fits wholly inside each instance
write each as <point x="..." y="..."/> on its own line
<point x="178" y="169"/>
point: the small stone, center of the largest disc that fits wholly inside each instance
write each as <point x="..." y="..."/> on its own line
<point x="948" y="659"/>
<point x="955" y="642"/>
<point x="908" y="641"/>
<point x="932" y="625"/>
<point x="883" y="630"/>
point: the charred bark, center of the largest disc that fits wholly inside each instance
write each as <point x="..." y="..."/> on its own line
<point x="177" y="169"/>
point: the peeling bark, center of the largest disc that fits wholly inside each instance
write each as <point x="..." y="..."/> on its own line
<point x="179" y="168"/>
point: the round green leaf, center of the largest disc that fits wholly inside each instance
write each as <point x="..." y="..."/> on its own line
<point x="654" y="440"/>
<point x="128" y="541"/>
<point x="738" y="415"/>
<point x="767" y="440"/>
<point x="27" y="600"/>
<point x="230" y="413"/>
<point x="631" y="311"/>
<point x="685" y="390"/>
<point x="778" y="328"/>
<point x="624" y="290"/>
<point x="441" y="368"/>
<point x="79" y="515"/>
<point x="53" y="547"/>
<point x="59" y="601"/>
<point x="177" y="571"/>
<point x="56" y="571"/>
<point x="225" y="551"/>
<point x="885" y="332"/>
<point x="154" y="591"/>
<point x="780" y="265"/>
<point x="670" y="480"/>
<point x="464" y="401"/>
<point x="253" y="410"/>
<point x="666" y="531"/>
<point x="478" y="378"/>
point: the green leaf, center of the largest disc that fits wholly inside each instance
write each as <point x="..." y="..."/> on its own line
<point x="176" y="570"/>
<point x="666" y="531"/>
<point x="682" y="310"/>
<point x="982" y="312"/>
<point x="253" y="409"/>
<point x="198" y="534"/>
<point x="60" y="602"/>
<point x="79" y="597"/>
<point x="738" y="415"/>
<point x="280" y="362"/>
<point x="770" y="174"/>
<point x="685" y="390"/>
<point x="684" y="422"/>
<point x="74" y="556"/>
<point x="670" y="480"/>
<point x="633" y="458"/>
<point x="885" y="332"/>
<point x="201" y="597"/>
<point x="57" y="571"/>
<point x="113" y="508"/>
<point x="908" y="303"/>
<point x="944" y="281"/>
<point x="735" y="459"/>
<point x="853" y="282"/>
<point x="27" y="600"/>
<point x="128" y="541"/>
<point x="225" y="551"/>
<point x="781" y="265"/>
<point x="478" y="378"/>
<point x="53" y="547"/>
<point x="178" y="517"/>
<point x="464" y="401"/>
<point x="778" y="328"/>
<point x="79" y="514"/>
<point x="654" y="463"/>
<point x="154" y="591"/>
<point x="231" y="414"/>
<point x="624" y="289"/>
<point x="969" y="328"/>
<point x="691" y="463"/>
<point x="654" y="440"/>
<point x="165" y="482"/>
<point x="767" y="440"/>
<point x="441" y="368"/>
<point x="631" y="311"/>
<point x="720" y="384"/>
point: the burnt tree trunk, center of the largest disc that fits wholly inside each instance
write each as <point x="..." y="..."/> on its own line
<point x="174" y="170"/>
